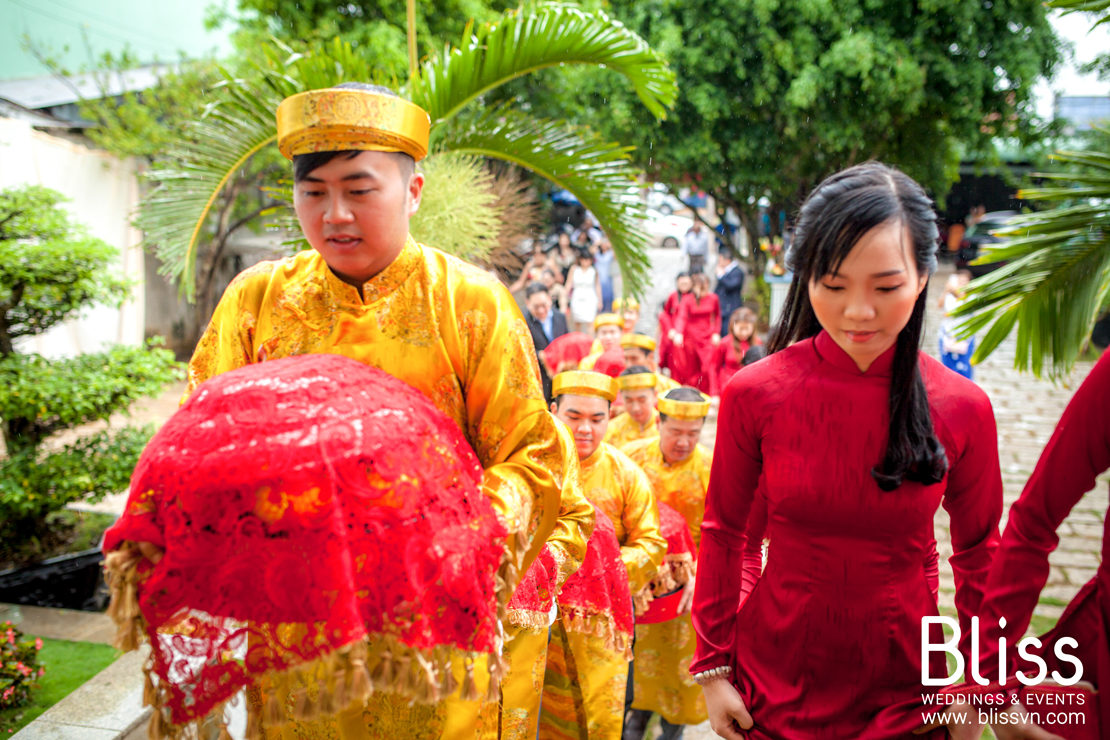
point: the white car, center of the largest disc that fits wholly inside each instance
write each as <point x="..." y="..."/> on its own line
<point x="666" y="231"/>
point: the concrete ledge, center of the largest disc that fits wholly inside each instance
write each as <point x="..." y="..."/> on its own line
<point x="60" y="624"/>
<point x="109" y="706"/>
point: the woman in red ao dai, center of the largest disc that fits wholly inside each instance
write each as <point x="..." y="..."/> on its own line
<point x="853" y="437"/>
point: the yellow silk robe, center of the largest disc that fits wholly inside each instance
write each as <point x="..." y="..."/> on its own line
<point x="665" y="650"/>
<point x="454" y="333"/>
<point x="584" y="687"/>
<point x="624" y="430"/>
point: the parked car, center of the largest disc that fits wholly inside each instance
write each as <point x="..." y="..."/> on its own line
<point x="666" y="230"/>
<point x="978" y="236"/>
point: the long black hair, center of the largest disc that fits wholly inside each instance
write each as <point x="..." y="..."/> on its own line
<point x="833" y="218"/>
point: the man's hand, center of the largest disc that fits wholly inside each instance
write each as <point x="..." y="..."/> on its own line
<point x="1019" y="730"/>
<point x="727" y="714"/>
<point x="151" y="551"/>
<point x="687" y="599"/>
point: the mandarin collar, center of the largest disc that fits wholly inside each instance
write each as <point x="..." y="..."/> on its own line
<point x="834" y="354"/>
<point x="593" y="459"/>
<point x="382" y="284"/>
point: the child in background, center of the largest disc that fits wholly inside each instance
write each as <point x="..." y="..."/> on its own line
<point x="728" y="356"/>
<point x="955" y="353"/>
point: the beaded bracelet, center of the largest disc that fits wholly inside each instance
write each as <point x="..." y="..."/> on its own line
<point x="712" y="674"/>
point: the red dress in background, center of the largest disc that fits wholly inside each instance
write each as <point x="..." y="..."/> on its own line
<point x="666" y="322"/>
<point x="697" y="321"/>
<point x="726" y="361"/>
<point x="1078" y="451"/>
<point x="828" y="644"/>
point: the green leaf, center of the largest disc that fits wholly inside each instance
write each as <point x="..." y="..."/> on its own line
<point x="529" y="39"/>
<point x="597" y="172"/>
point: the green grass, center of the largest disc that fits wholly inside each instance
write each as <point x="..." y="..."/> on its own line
<point x="68" y="665"/>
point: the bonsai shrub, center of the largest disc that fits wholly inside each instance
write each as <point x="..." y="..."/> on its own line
<point x="19" y="667"/>
<point x="51" y="269"/>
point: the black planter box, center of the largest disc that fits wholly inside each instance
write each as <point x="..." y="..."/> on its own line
<point x="67" y="582"/>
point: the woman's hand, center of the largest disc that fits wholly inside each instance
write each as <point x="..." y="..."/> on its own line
<point x="677" y="339"/>
<point x="151" y="551"/>
<point x="687" y="599"/>
<point x="727" y="714"/>
<point x="716" y="339"/>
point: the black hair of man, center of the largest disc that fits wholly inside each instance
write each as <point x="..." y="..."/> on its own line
<point x="681" y="394"/>
<point x="726" y="253"/>
<point x="636" y="370"/>
<point x="754" y="354"/>
<point x="304" y="164"/>
<point x="535" y="288"/>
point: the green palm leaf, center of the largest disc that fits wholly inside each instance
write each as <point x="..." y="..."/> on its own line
<point x="1083" y="6"/>
<point x="529" y="39"/>
<point x="595" y="171"/>
<point x="1058" y="272"/>
<point x="241" y="121"/>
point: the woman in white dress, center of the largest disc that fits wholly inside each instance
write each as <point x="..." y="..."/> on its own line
<point x="584" y="294"/>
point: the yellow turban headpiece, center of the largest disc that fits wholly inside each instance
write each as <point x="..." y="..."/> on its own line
<point x="608" y="319"/>
<point x="684" y="409"/>
<point x="336" y="119"/>
<point x="642" y="341"/>
<point x="584" y="383"/>
<point x="626" y="304"/>
<point x="637" y="380"/>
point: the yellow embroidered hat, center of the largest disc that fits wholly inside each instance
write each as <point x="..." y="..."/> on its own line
<point x="626" y="304"/>
<point x="340" y="119"/>
<point x="683" y="409"/>
<point x="637" y="380"/>
<point x="584" y="383"/>
<point x="608" y="319"/>
<point x="638" y="340"/>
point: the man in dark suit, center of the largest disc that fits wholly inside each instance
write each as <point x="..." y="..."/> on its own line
<point x="730" y="286"/>
<point x="545" y="323"/>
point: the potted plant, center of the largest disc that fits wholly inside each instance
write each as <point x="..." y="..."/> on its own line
<point x="50" y="270"/>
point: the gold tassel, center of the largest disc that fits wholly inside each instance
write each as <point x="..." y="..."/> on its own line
<point x="150" y="693"/>
<point x="342" y="698"/>
<point x="404" y="684"/>
<point x="427" y="687"/>
<point x="449" y="683"/>
<point x="361" y="685"/>
<point x="224" y="734"/>
<point x="158" y="726"/>
<point x="275" y="713"/>
<point x="325" y="699"/>
<point x="254" y="729"/>
<point x="469" y="689"/>
<point x="382" y="676"/>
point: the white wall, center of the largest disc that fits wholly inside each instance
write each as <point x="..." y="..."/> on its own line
<point x="102" y="192"/>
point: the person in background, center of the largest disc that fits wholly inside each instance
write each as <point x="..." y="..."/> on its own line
<point x="754" y="354"/>
<point x="667" y="315"/>
<point x="608" y="328"/>
<point x="603" y="260"/>
<point x="533" y="269"/>
<point x="584" y="294"/>
<point x="730" y="286"/>
<point x="588" y="234"/>
<point x="638" y="394"/>
<point x="587" y="674"/>
<point x="545" y="323"/>
<point x="639" y="349"/>
<point x="555" y="289"/>
<point x="565" y="256"/>
<point x="629" y="309"/>
<point x="955" y="353"/>
<point x="678" y="469"/>
<point x="728" y="355"/>
<point x="696" y="247"/>
<point x="695" y="334"/>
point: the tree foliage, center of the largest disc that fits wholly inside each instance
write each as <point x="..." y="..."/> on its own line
<point x="775" y="95"/>
<point x="50" y="270"/>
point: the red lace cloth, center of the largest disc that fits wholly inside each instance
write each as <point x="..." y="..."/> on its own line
<point x="534" y="596"/>
<point x="610" y="362"/>
<point x="305" y="504"/>
<point x="565" y="352"/>
<point x="596" y="599"/>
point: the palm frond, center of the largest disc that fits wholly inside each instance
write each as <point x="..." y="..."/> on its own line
<point x="598" y="173"/>
<point x="1082" y="6"/>
<point x="1057" y="277"/>
<point x="532" y="38"/>
<point x="458" y="211"/>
